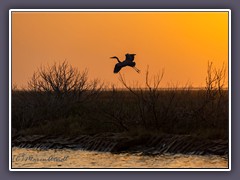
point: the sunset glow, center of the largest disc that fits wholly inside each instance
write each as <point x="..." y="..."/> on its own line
<point x="181" y="43"/>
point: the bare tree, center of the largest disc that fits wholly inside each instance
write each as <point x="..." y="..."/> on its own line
<point x="147" y="98"/>
<point x="56" y="91"/>
<point x="59" y="78"/>
<point x="215" y="80"/>
<point x="64" y="80"/>
<point x="212" y="103"/>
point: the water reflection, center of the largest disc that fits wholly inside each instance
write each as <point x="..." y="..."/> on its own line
<point x="33" y="158"/>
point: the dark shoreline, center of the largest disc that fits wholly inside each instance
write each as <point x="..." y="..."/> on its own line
<point x="119" y="143"/>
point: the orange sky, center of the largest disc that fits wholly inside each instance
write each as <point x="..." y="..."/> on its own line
<point x="180" y="42"/>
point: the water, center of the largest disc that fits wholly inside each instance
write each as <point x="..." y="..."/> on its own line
<point x="33" y="158"/>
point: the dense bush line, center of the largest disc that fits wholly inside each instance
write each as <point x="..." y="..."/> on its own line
<point x="61" y="100"/>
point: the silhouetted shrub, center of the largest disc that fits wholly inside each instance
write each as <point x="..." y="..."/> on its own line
<point x="53" y="92"/>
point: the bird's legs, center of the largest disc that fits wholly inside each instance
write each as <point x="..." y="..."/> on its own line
<point x="136" y="69"/>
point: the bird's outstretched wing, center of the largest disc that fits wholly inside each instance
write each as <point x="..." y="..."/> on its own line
<point x="130" y="57"/>
<point x="117" y="68"/>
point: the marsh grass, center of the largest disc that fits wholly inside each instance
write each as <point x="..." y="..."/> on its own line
<point x="118" y="111"/>
<point x="134" y="111"/>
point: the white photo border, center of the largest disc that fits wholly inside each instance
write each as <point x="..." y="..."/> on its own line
<point x="118" y="10"/>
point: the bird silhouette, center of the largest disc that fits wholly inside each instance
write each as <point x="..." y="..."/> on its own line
<point x="127" y="62"/>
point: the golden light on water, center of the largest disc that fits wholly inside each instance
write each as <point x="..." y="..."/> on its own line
<point x="90" y="159"/>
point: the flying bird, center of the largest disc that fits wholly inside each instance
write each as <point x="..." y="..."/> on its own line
<point x="127" y="62"/>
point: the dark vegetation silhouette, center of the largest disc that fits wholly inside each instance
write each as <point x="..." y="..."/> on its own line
<point x="54" y="92"/>
<point x="60" y="99"/>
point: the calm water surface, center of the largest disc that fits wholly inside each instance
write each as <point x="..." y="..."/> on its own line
<point x="33" y="158"/>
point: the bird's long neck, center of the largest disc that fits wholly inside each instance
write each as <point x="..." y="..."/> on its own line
<point x="117" y="59"/>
